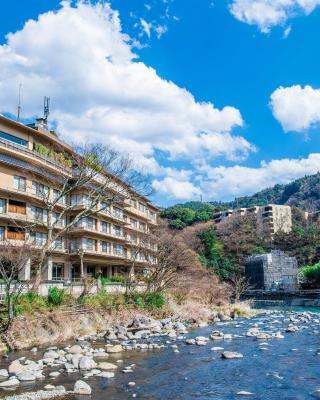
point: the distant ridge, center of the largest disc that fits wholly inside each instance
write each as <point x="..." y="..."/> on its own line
<point x="303" y="193"/>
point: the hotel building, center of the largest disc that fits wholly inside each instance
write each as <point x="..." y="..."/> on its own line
<point x="271" y="218"/>
<point x="102" y="245"/>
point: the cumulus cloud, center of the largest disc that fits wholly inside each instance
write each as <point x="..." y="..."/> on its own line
<point x="177" y="189"/>
<point x="296" y="108"/>
<point x="227" y="182"/>
<point x="100" y="91"/>
<point x="269" y="13"/>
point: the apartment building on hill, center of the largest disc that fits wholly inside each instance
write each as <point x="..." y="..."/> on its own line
<point x="271" y="218"/>
<point x="104" y="242"/>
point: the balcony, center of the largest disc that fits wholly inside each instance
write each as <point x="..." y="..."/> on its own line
<point x="33" y="154"/>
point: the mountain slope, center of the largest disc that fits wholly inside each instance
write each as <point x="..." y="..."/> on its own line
<point x="303" y="193"/>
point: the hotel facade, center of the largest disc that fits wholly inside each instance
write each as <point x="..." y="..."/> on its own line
<point x="101" y="245"/>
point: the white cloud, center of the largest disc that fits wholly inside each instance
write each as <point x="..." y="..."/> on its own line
<point x="269" y="13"/>
<point x="146" y="27"/>
<point x="101" y="92"/>
<point x="227" y="182"/>
<point x="176" y="189"/>
<point x="296" y="108"/>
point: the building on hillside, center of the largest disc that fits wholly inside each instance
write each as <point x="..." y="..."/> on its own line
<point x="104" y="241"/>
<point x="272" y="271"/>
<point x="271" y="218"/>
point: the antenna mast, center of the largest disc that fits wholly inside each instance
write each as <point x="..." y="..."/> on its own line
<point x="46" y="109"/>
<point x="19" y="102"/>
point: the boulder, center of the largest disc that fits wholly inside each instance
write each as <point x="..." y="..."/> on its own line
<point x="75" y="349"/>
<point x="26" y="377"/>
<point x="10" y="383"/>
<point x="190" y="341"/>
<point x="82" y="388"/>
<point x="86" y="363"/>
<point x="107" y="366"/>
<point x="106" y="375"/>
<point x="231" y="354"/>
<point x="51" y="354"/>
<point x="4" y="373"/>
<point x="16" y="367"/>
<point x="114" y="349"/>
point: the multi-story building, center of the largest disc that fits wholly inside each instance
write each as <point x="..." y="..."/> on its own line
<point x="104" y="242"/>
<point x="271" y="218"/>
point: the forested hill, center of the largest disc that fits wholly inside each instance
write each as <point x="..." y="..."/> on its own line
<point x="303" y="193"/>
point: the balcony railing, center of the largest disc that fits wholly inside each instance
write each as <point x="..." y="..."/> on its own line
<point x="34" y="154"/>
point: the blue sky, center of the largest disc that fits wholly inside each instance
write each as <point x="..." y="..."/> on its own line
<point x="255" y="63"/>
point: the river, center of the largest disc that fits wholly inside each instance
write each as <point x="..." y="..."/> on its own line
<point x="276" y="369"/>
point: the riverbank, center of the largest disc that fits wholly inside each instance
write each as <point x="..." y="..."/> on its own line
<point x="41" y="327"/>
<point x="167" y="359"/>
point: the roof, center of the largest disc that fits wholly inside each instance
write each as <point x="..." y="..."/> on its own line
<point x="52" y="136"/>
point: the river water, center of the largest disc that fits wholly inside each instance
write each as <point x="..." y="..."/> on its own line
<point x="286" y="368"/>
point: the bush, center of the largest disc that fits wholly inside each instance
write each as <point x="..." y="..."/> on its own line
<point x="30" y="302"/>
<point x="150" y="300"/>
<point x="312" y="274"/>
<point x="56" y="296"/>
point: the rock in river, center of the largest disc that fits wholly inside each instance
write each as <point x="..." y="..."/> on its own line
<point x="231" y="354"/>
<point x="82" y="388"/>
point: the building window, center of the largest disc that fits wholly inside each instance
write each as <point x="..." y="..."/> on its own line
<point x="62" y="199"/>
<point x="15" y="233"/>
<point x="39" y="238"/>
<point x="118" y="249"/>
<point x="133" y="238"/>
<point x="59" y="220"/>
<point x="105" y="247"/>
<point x="89" y="244"/>
<point x="3" y="206"/>
<point x="143" y="227"/>
<point x="105" y="227"/>
<point x="133" y="223"/>
<point x="59" y="243"/>
<point x="105" y="207"/>
<point x="80" y="200"/>
<point x="117" y="230"/>
<point x="91" y="271"/>
<point x="13" y="139"/>
<point x="75" y="272"/>
<point x="57" y="272"/>
<point x="87" y="223"/>
<point x="17" y="207"/>
<point x="142" y="207"/>
<point x="2" y="232"/>
<point x="20" y="183"/>
<point x="152" y="215"/>
<point x="117" y="212"/>
<point x="39" y="189"/>
<point x="39" y="214"/>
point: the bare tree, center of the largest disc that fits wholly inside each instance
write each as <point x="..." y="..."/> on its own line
<point x="13" y="261"/>
<point x="100" y="176"/>
<point x="239" y="285"/>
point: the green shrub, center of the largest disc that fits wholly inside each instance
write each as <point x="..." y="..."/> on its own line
<point x="30" y="302"/>
<point x="118" y="279"/>
<point x="312" y="274"/>
<point x="56" y="296"/>
<point x="149" y="300"/>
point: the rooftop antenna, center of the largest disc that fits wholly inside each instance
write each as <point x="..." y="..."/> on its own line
<point x="19" y="102"/>
<point x="46" y="109"/>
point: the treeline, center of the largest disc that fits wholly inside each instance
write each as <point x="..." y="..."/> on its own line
<point x="180" y="216"/>
<point x="303" y="193"/>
